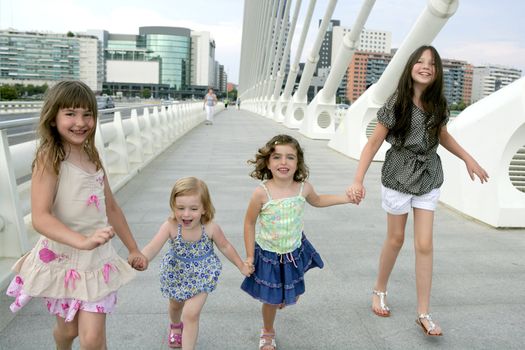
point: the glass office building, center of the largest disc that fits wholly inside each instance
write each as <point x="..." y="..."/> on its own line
<point x="172" y="46"/>
<point x="38" y="58"/>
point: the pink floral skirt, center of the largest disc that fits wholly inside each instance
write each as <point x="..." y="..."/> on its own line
<point x="66" y="308"/>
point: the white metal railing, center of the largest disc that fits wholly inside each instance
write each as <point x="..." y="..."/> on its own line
<point x="125" y="146"/>
<point x="12" y="107"/>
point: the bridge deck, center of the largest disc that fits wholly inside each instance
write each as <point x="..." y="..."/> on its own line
<point x="478" y="291"/>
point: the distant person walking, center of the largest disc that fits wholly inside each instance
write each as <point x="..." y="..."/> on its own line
<point x="238" y="102"/>
<point x="210" y="100"/>
<point x="413" y="120"/>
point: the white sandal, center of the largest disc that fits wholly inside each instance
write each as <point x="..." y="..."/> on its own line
<point x="267" y="339"/>
<point x="432" y="325"/>
<point x="382" y="304"/>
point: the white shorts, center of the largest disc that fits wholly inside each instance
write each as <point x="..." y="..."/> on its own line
<point x="398" y="203"/>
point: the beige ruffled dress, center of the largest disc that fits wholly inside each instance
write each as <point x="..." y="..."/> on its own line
<point x="55" y="270"/>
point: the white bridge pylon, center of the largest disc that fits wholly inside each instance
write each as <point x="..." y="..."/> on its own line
<point x="350" y="137"/>
<point x="297" y="105"/>
<point x="318" y="122"/>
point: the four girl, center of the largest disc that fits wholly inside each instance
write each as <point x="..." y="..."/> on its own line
<point x="76" y="270"/>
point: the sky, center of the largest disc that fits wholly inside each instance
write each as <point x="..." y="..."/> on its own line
<point x="480" y="32"/>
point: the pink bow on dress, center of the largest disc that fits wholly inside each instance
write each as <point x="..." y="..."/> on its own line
<point x="108" y="267"/>
<point x="71" y="276"/>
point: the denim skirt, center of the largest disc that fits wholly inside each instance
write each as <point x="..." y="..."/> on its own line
<point x="279" y="278"/>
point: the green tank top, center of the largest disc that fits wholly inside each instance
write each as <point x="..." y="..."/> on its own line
<point x="281" y="223"/>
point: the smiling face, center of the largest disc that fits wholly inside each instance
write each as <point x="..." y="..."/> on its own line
<point x="424" y="70"/>
<point x="74" y="125"/>
<point x="283" y="162"/>
<point x="188" y="210"/>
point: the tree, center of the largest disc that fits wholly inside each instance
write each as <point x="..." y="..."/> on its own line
<point x="146" y="93"/>
<point x="8" y="93"/>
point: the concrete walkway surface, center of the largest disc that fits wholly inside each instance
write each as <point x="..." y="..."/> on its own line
<point x="478" y="294"/>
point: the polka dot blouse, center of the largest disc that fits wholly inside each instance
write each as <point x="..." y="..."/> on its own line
<point x="414" y="167"/>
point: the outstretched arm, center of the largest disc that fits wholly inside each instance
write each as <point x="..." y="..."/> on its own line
<point x="151" y="249"/>
<point x="227" y="249"/>
<point x="357" y="191"/>
<point x="117" y="219"/>
<point x="323" y="200"/>
<point x="449" y="142"/>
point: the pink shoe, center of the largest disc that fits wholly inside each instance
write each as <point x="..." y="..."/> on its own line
<point x="175" y="339"/>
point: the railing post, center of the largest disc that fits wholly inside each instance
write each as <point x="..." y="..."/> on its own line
<point x="13" y="233"/>
<point x="119" y="146"/>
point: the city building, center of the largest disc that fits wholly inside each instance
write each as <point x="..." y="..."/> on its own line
<point x="364" y="70"/>
<point x="489" y="78"/>
<point x="373" y="41"/>
<point x="326" y="50"/>
<point x="162" y="62"/>
<point x="457" y="81"/>
<point x="39" y="58"/>
<point x="203" y="59"/>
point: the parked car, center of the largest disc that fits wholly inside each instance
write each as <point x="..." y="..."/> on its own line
<point x="104" y="102"/>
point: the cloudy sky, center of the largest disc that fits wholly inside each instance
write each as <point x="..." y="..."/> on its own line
<point x="480" y="32"/>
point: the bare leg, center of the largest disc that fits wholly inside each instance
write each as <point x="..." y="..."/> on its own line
<point x="391" y="247"/>
<point x="190" y="316"/>
<point x="65" y="332"/>
<point x="92" y="330"/>
<point x="268" y="313"/>
<point x="423" y="223"/>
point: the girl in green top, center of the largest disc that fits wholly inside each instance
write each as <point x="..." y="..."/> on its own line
<point x="413" y="121"/>
<point x="279" y="250"/>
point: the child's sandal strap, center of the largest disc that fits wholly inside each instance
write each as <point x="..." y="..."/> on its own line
<point x="179" y="325"/>
<point x="267" y="339"/>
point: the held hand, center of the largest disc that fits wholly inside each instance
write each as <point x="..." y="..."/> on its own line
<point x="248" y="262"/>
<point x="100" y="237"/>
<point x="137" y="260"/>
<point x="474" y="168"/>
<point x="356" y="193"/>
<point x="246" y="269"/>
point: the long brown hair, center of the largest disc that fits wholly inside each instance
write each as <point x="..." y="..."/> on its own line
<point x="65" y="94"/>
<point x="432" y="98"/>
<point x="262" y="172"/>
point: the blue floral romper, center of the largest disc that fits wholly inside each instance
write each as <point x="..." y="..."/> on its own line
<point x="189" y="267"/>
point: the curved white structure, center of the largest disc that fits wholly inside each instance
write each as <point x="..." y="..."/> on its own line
<point x="492" y="131"/>
<point x="282" y="103"/>
<point x="296" y="107"/>
<point x="350" y="136"/>
<point x="318" y="122"/>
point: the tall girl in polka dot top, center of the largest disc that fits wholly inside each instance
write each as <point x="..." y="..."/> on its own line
<point x="73" y="266"/>
<point x="413" y="121"/>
